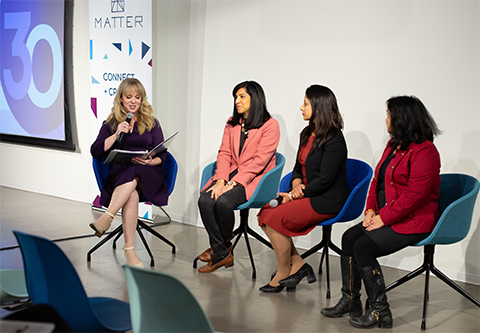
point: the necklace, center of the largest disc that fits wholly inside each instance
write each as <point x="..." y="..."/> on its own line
<point x="245" y="131"/>
<point x="398" y="148"/>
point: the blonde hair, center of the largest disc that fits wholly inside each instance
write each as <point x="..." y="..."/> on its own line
<point x="144" y="116"/>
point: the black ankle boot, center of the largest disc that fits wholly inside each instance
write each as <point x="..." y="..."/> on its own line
<point x="351" y="284"/>
<point x="379" y="313"/>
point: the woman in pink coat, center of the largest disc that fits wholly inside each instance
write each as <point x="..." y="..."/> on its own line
<point x="247" y="152"/>
<point x="401" y="210"/>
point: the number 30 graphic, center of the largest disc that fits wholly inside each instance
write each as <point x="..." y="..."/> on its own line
<point x="21" y="22"/>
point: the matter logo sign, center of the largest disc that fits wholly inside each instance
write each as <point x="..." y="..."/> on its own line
<point x="31" y="65"/>
<point x="118" y="6"/>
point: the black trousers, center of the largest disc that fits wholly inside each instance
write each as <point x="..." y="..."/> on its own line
<point x="219" y="219"/>
<point x="367" y="246"/>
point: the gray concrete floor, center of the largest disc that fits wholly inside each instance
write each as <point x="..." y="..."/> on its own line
<point x="229" y="296"/>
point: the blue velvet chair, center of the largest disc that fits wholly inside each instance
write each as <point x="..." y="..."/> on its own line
<point x="266" y="190"/>
<point x="51" y="279"/>
<point x="101" y="172"/>
<point x="359" y="174"/>
<point x="159" y="302"/>
<point x="458" y="193"/>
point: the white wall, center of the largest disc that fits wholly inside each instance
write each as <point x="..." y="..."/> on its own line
<point x="365" y="51"/>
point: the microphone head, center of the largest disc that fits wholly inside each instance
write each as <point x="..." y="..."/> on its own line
<point x="273" y="203"/>
<point x="129" y="117"/>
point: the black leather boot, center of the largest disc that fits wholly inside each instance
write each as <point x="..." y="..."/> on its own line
<point x="351" y="284"/>
<point x="379" y="313"/>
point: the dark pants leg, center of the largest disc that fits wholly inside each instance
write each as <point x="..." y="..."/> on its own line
<point x="357" y="244"/>
<point x="364" y="248"/>
<point x="219" y="219"/>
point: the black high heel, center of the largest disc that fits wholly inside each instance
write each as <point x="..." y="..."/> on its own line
<point x="273" y="275"/>
<point x="271" y="289"/>
<point x="294" y="279"/>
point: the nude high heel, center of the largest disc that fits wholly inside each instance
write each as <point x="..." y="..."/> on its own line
<point x="132" y="248"/>
<point x="99" y="231"/>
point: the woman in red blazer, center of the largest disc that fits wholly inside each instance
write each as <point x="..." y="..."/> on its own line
<point x="247" y="152"/>
<point x="401" y="210"/>
<point x="319" y="188"/>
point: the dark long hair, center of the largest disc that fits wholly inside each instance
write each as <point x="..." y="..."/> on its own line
<point x="410" y="121"/>
<point x="258" y="114"/>
<point x="326" y="120"/>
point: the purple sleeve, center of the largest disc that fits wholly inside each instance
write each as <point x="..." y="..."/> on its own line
<point x="97" y="148"/>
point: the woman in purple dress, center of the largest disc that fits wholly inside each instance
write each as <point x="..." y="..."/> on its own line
<point x="127" y="183"/>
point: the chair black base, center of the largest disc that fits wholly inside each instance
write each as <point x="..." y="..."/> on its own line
<point x="427" y="267"/>
<point x="15" y="306"/>
<point x="155" y="224"/>
<point x="42" y="313"/>
<point x="119" y="231"/>
<point x="324" y="245"/>
<point x="245" y="230"/>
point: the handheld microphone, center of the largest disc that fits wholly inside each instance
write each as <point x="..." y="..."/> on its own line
<point x="275" y="202"/>
<point x="128" y="120"/>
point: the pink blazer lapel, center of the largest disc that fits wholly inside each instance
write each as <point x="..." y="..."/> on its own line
<point x="236" y="141"/>
<point x="251" y="138"/>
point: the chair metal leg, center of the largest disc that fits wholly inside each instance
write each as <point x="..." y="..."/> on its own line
<point x="119" y="232"/>
<point x="406" y="278"/>
<point x="247" y="242"/>
<point x="453" y="285"/>
<point x="324" y="245"/>
<point x="314" y="249"/>
<point x="195" y="261"/>
<point x="249" y="231"/>
<point x="335" y="248"/>
<point x="326" y="235"/>
<point x="429" y="260"/>
<point x="144" y="241"/>
<point x="103" y="241"/>
<point x="258" y="237"/>
<point x="166" y="214"/>
<point x="427" y="267"/>
<point x="321" y="262"/>
<point x="327" y="266"/>
<point x="143" y="225"/>
<point x="114" y="244"/>
<point x="245" y="230"/>
<point x="237" y="238"/>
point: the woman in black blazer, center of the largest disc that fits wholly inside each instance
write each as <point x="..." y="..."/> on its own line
<point x="319" y="188"/>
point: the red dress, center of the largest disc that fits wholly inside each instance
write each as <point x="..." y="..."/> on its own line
<point x="297" y="217"/>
